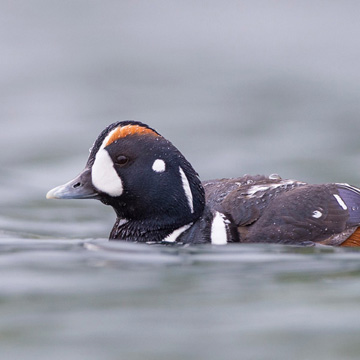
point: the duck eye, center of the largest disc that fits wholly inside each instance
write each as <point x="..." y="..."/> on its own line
<point x="121" y="160"/>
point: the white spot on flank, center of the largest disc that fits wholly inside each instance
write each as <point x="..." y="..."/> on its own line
<point x="187" y="189"/>
<point x="159" y="166"/>
<point x="176" y="233"/>
<point x="218" y="229"/>
<point x="104" y="176"/>
<point x="340" y="201"/>
<point x="317" y="214"/>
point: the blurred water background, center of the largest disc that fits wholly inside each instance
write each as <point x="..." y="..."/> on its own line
<point x="240" y="87"/>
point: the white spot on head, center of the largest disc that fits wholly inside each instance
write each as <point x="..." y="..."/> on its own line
<point x="159" y="165"/>
<point x="218" y="229"/>
<point x="187" y="189"/>
<point x="176" y="233"/>
<point x="340" y="201"/>
<point x="104" y="176"/>
<point x="317" y="214"/>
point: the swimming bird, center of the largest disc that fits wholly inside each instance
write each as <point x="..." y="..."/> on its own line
<point x="158" y="198"/>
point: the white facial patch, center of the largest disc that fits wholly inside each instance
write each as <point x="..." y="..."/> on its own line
<point x="104" y="176"/>
<point x="158" y="166"/>
<point x="187" y="189"/>
<point x="340" y="201"/>
<point x="218" y="229"/>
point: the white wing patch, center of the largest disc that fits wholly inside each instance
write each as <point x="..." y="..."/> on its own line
<point x="218" y="229"/>
<point x="187" y="189"/>
<point x="353" y="188"/>
<point x="340" y="201"/>
<point x="159" y="166"/>
<point x="262" y="188"/>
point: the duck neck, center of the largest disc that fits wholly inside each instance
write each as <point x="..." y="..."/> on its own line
<point x="146" y="231"/>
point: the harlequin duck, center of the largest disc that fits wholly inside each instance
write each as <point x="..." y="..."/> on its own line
<point x="159" y="198"/>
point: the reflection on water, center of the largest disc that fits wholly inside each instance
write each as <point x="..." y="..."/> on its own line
<point x="155" y="302"/>
<point x="239" y="87"/>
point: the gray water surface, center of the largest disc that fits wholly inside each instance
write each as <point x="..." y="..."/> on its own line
<point x="90" y="299"/>
<point x="239" y="87"/>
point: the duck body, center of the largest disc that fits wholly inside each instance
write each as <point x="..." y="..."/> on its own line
<point x="159" y="198"/>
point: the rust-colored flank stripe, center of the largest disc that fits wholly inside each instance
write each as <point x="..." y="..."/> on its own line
<point x="127" y="130"/>
<point x="353" y="240"/>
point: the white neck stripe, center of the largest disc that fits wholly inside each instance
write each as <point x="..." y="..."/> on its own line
<point x="187" y="189"/>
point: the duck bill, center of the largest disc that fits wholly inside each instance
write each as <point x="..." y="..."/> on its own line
<point x="79" y="188"/>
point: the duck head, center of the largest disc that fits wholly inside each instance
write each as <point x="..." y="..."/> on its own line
<point x="151" y="186"/>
